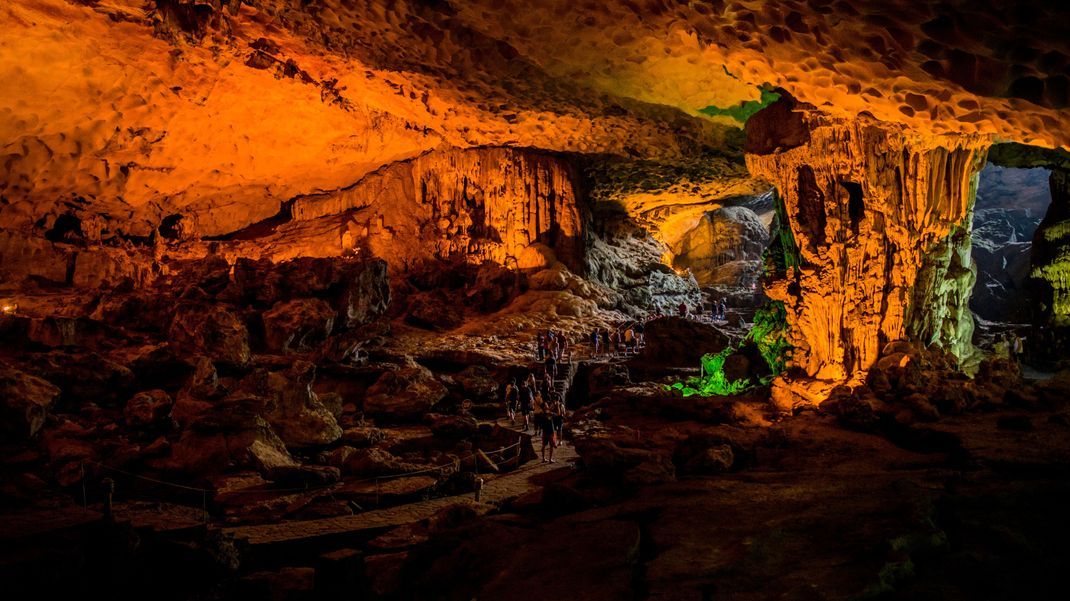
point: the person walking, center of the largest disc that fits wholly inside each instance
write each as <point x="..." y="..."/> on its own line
<point x="527" y="402"/>
<point x="559" y="419"/>
<point x="512" y="400"/>
<point x="549" y="433"/>
<point x="551" y="366"/>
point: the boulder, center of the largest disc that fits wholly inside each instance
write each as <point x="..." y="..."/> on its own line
<point x="83" y="376"/>
<point x="159" y="366"/>
<point x="203" y="382"/>
<point x="434" y="310"/>
<point x="357" y="290"/>
<point x="297" y="324"/>
<point x="856" y="408"/>
<point x="68" y="446"/>
<point x="452" y="426"/>
<point x="219" y="443"/>
<point x="605" y="459"/>
<point x="25" y="401"/>
<point x="210" y="275"/>
<point x="713" y="460"/>
<point x="336" y="457"/>
<point x="493" y="286"/>
<point x="404" y="394"/>
<point x="333" y="402"/>
<point x="376" y="462"/>
<point x="602" y="379"/>
<point x="297" y="476"/>
<point x="477" y="384"/>
<point x="363" y="436"/>
<point x="298" y="416"/>
<point x="680" y="342"/>
<point x="148" y="409"/>
<point x="213" y="331"/>
<point x="746" y="363"/>
<point x="364" y="292"/>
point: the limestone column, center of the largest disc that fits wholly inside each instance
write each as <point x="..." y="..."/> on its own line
<point x="875" y="210"/>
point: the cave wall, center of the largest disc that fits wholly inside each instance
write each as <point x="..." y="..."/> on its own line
<point x="881" y="220"/>
<point x="473" y="204"/>
<point x="724" y="251"/>
<point x="1051" y="253"/>
<point x="515" y="207"/>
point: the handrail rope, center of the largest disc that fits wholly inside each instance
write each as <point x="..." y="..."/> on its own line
<point x="146" y="478"/>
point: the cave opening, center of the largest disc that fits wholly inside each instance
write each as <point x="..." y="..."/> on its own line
<point x="1011" y="202"/>
<point x="725" y="251"/>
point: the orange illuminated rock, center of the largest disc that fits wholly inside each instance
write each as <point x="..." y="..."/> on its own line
<point x="874" y="210"/>
<point x="479" y="204"/>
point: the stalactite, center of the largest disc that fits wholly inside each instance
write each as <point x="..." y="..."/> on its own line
<point x="881" y="219"/>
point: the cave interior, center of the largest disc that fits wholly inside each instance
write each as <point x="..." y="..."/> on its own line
<point x="490" y="299"/>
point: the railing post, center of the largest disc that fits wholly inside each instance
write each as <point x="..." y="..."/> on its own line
<point x="109" y="490"/>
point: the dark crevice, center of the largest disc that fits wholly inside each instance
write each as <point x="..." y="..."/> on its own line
<point x="66" y="228"/>
<point x="856" y="206"/>
<point x="171" y="227"/>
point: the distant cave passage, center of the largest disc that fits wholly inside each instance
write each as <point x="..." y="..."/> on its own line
<point x="1011" y="202"/>
<point x="724" y="251"/>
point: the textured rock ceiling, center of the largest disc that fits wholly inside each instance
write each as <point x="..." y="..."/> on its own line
<point x="223" y="109"/>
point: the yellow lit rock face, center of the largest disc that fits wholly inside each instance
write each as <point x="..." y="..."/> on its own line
<point x="147" y="112"/>
<point x="870" y="207"/>
<point x="222" y="110"/>
<point x="478" y="205"/>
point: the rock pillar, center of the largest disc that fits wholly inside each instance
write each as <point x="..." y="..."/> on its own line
<point x="881" y="222"/>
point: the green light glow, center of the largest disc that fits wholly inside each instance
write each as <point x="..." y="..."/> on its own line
<point x="769" y="334"/>
<point x="744" y="110"/>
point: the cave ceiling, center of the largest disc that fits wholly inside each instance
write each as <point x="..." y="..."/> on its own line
<point x="222" y="110"/>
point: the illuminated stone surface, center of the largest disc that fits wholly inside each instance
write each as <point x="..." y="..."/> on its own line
<point x="873" y="210"/>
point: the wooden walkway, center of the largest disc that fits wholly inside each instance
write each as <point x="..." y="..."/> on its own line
<point x="496" y="490"/>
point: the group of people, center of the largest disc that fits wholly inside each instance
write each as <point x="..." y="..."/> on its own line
<point x="539" y="405"/>
<point x="627" y="338"/>
<point x="551" y="345"/>
<point x="718" y="312"/>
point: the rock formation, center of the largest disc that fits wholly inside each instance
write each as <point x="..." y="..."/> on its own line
<point x="880" y="219"/>
<point x="476" y="205"/>
<point x="724" y="251"/>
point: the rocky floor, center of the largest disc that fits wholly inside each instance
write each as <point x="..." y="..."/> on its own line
<point x="280" y="431"/>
